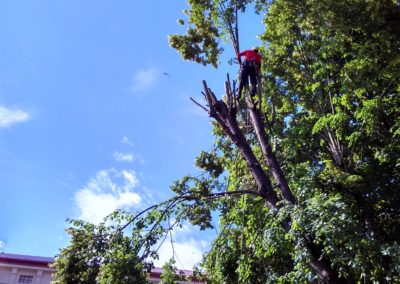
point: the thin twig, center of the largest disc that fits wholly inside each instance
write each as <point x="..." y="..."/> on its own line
<point x="197" y="103"/>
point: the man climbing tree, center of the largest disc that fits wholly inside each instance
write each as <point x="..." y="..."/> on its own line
<point x="249" y="68"/>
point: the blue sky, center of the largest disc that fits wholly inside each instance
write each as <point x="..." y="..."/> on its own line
<point x="89" y="122"/>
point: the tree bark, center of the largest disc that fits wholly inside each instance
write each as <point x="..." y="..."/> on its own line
<point x="268" y="154"/>
<point x="225" y="115"/>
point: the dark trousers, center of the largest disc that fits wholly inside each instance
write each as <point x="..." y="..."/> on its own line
<point x="246" y="72"/>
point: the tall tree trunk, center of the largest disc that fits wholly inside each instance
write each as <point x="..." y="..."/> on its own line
<point x="225" y="115"/>
<point x="268" y="154"/>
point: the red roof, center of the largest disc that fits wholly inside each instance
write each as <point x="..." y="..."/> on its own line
<point x="156" y="271"/>
<point x="29" y="260"/>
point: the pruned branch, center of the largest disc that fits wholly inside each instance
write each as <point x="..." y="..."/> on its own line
<point x="225" y="115"/>
<point x="198" y="104"/>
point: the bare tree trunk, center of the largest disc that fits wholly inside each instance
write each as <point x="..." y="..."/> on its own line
<point x="269" y="156"/>
<point x="320" y="265"/>
<point x="225" y="115"/>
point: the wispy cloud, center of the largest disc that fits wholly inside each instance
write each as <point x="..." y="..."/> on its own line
<point x="107" y="191"/>
<point x="10" y="116"/>
<point x="2" y="246"/>
<point x="123" y="157"/>
<point x="145" y="79"/>
<point x="127" y="157"/>
<point x="125" y="140"/>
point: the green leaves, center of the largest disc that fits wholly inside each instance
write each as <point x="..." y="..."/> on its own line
<point x="169" y="274"/>
<point x="333" y="121"/>
<point x="97" y="254"/>
<point x="211" y="163"/>
<point x="200" y="43"/>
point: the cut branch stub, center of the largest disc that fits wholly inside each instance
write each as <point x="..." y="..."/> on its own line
<point x="225" y="115"/>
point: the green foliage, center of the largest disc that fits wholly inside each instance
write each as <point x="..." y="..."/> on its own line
<point x="200" y="43"/>
<point x="340" y="140"/>
<point x="97" y="254"/>
<point x="199" y="202"/>
<point x="335" y="92"/>
<point x="210" y="23"/>
<point x="211" y="163"/>
<point x="121" y="264"/>
<point x="170" y="275"/>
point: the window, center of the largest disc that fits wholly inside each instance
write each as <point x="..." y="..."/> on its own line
<point x="25" y="279"/>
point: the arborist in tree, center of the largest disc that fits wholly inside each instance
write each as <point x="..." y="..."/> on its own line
<point x="250" y="67"/>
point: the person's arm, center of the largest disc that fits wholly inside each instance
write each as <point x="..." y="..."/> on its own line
<point x="240" y="54"/>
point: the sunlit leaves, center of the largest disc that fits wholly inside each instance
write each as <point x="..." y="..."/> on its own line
<point x="211" y="163"/>
<point x="200" y="43"/>
<point x="98" y="254"/>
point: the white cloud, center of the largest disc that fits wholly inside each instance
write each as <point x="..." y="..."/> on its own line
<point x="123" y="157"/>
<point x="11" y="116"/>
<point x="125" y="140"/>
<point x="2" y="245"/>
<point x="127" y="157"/>
<point x="130" y="177"/>
<point x="144" y="79"/>
<point x="188" y="253"/>
<point x="107" y="191"/>
<point x="188" y="250"/>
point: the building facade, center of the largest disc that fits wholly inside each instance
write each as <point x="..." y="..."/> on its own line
<point x="17" y="269"/>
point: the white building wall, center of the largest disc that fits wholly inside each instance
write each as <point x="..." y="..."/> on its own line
<point x="15" y="274"/>
<point x="4" y="275"/>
